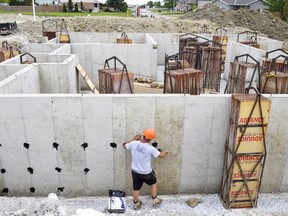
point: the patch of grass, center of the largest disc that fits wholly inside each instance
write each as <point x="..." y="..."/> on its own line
<point x="176" y="13"/>
<point x="72" y="14"/>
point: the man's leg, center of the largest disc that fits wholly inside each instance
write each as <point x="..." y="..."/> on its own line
<point x="136" y="202"/>
<point x="153" y="189"/>
<point x="135" y="195"/>
<point x="156" y="200"/>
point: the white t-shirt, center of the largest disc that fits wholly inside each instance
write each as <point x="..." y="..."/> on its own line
<point x="142" y="154"/>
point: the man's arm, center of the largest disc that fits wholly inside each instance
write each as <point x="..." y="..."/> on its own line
<point x="136" y="137"/>
<point x="163" y="153"/>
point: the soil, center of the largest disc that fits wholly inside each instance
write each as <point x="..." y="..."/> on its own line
<point x="210" y="16"/>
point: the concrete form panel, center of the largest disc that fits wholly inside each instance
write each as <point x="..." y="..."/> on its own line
<point x="14" y="157"/>
<point x="68" y="127"/>
<point x="100" y="158"/>
<point x="199" y="162"/>
<point x="169" y="126"/>
<point x="30" y="81"/>
<point x="277" y="150"/>
<point x="39" y="129"/>
<point x="119" y="137"/>
<point x="44" y="76"/>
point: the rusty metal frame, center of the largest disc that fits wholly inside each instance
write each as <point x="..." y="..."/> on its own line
<point x="193" y="38"/>
<point x="124" y="70"/>
<point x="256" y="69"/>
<point x="176" y="57"/>
<point x="273" y="68"/>
<point x="210" y="43"/>
<point x="26" y="53"/>
<point x="235" y="155"/>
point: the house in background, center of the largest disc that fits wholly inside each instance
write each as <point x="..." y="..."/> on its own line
<point x="237" y="4"/>
<point x="93" y="5"/>
<point x="186" y="5"/>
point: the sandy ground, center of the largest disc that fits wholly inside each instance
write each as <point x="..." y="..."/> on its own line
<point x="208" y="205"/>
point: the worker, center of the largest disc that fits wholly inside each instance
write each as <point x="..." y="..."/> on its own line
<point x="141" y="169"/>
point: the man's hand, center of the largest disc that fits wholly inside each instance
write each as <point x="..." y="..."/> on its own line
<point x="137" y="137"/>
<point x="163" y="153"/>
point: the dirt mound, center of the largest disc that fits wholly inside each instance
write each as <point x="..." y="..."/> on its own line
<point x="261" y="22"/>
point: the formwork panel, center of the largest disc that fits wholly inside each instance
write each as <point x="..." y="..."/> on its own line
<point x="187" y="81"/>
<point x="97" y="123"/>
<point x="13" y="153"/>
<point x="121" y="168"/>
<point x="38" y="122"/>
<point x="169" y="120"/>
<point x="245" y="151"/>
<point x="63" y="84"/>
<point x="195" y="159"/>
<point x="114" y="80"/>
<point x="68" y="126"/>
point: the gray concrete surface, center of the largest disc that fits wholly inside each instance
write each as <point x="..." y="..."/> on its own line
<point x="193" y="128"/>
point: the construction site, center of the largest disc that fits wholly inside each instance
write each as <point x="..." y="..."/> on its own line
<point x="217" y="100"/>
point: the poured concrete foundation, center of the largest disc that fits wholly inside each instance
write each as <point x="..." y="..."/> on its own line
<point x="54" y="139"/>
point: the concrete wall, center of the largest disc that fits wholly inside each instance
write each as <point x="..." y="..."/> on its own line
<point x="25" y="81"/>
<point x="141" y="59"/>
<point x="102" y="37"/>
<point x="193" y="128"/>
<point x="59" y="77"/>
<point x="8" y="70"/>
<point x="42" y="48"/>
<point x="236" y="49"/>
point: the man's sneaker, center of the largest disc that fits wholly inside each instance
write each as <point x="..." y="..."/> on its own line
<point x="157" y="201"/>
<point x="137" y="205"/>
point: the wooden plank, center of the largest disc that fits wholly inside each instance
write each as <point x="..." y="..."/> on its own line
<point x="86" y="78"/>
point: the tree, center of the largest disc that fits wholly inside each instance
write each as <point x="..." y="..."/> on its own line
<point x="82" y="6"/>
<point x="277" y="6"/>
<point x="76" y="7"/>
<point x="157" y="4"/>
<point x="21" y="2"/>
<point x="116" y="4"/>
<point x="64" y="8"/>
<point x="70" y="5"/>
<point x="170" y="4"/>
<point x="150" y="4"/>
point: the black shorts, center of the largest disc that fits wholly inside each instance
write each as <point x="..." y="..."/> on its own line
<point x="138" y="179"/>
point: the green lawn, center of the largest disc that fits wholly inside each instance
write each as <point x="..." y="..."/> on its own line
<point x="71" y="14"/>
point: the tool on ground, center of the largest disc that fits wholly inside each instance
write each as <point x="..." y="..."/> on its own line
<point x="117" y="201"/>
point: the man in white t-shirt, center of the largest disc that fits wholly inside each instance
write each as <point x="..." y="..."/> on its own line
<point x="141" y="169"/>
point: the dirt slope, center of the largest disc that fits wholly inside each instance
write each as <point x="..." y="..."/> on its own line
<point x="211" y="16"/>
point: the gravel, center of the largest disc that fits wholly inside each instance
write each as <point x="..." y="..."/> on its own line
<point x="269" y="204"/>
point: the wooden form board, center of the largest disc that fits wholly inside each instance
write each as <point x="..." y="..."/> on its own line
<point x="245" y="151"/>
<point x="274" y="83"/>
<point x="250" y="140"/>
<point x="189" y="81"/>
<point x="110" y="81"/>
<point x="211" y="60"/>
<point x="240" y="76"/>
<point x="87" y="79"/>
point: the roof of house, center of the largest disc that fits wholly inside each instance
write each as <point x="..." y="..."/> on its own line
<point x="238" y="2"/>
<point x="189" y="1"/>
